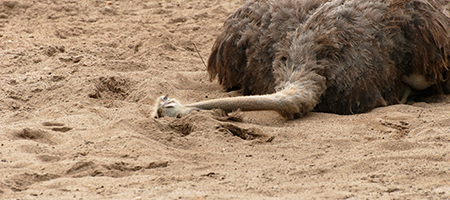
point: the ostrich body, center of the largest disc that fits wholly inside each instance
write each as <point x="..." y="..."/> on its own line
<point x="337" y="56"/>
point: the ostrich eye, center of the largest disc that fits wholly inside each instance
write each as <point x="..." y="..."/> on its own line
<point x="165" y="98"/>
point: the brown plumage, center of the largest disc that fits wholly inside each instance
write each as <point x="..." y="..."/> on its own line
<point x="334" y="56"/>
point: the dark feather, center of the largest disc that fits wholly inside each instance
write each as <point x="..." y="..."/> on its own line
<point x="362" y="48"/>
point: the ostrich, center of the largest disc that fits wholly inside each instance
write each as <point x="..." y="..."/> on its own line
<point x="336" y="56"/>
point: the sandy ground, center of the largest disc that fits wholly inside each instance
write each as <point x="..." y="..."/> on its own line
<point x="78" y="82"/>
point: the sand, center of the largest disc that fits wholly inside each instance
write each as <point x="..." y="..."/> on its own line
<point x="78" y="83"/>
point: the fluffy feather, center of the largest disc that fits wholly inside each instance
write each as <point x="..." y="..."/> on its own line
<point x="339" y="56"/>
